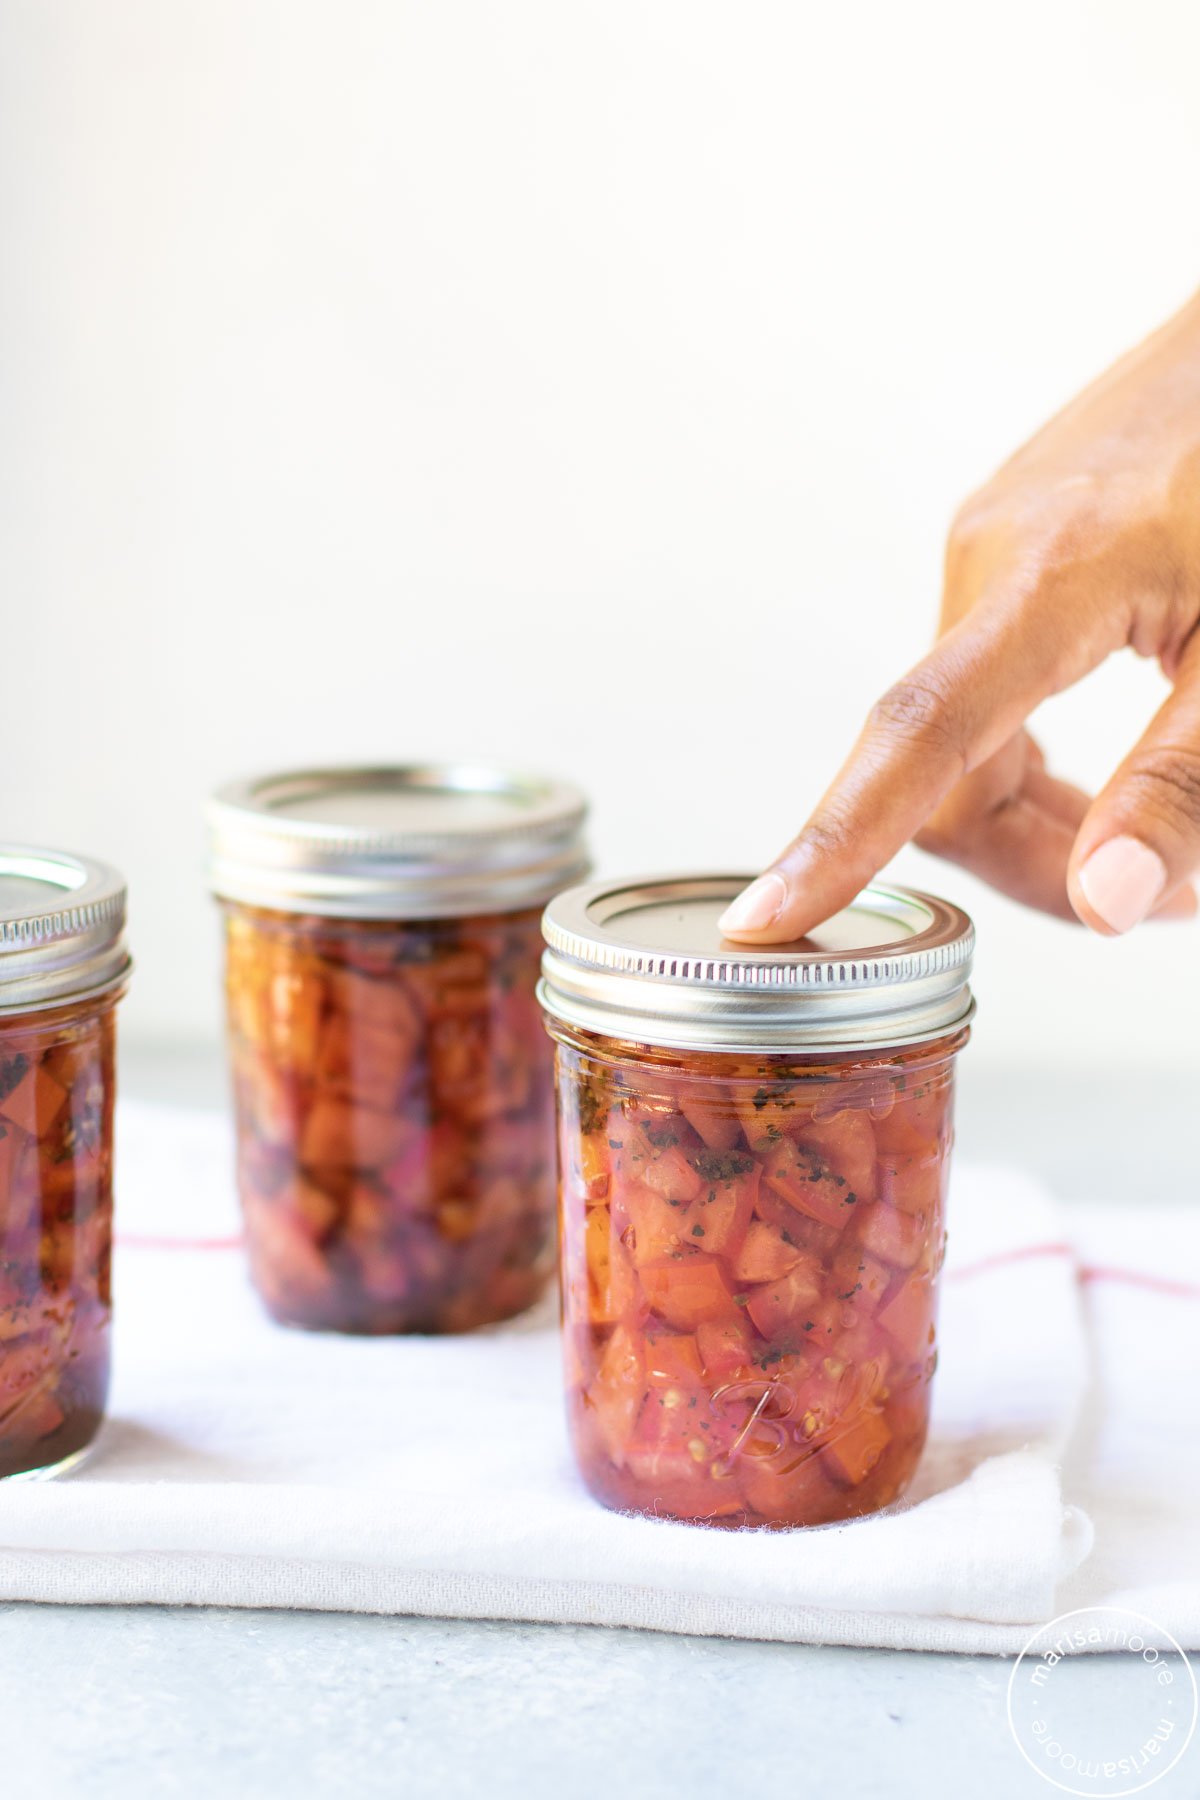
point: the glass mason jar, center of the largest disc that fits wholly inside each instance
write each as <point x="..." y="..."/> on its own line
<point x="63" y="967"/>
<point x="392" y="1081"/>
<point x="753" y="1150"/>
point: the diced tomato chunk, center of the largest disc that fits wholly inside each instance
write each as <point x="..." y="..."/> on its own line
<point x="786" y="1307"/>
<point x="24" y="1364"/>
<point x="875" y="1094"/>
<point x="914" y="1184"/>
<point x="859" y="1279"/>
<point x="363" y="1062"/>
<point x="630" y="1154"/>
<point x="717" y="1219"/>
<point x="617" y="1391"/>
<point x="714" y="1120"/>
<point x="672" y="1175"/>
<point x="908" y="1316"/>
<point x="34" y="1100"/>
<point x="766" y="1254"/>
<point x="853" y="1448"/>
<point x="284" y="1257"/>
<point x="339" y="1134"/>
<point x="382" y="1002"/>
<point x="673" y="1360"/>
<point x="789" y="1490"/>
<point x="688" y="1293"/>
<point x="293" y="1004"/>
<point x="12" y="1142"/>
<point x="866" y="1347"/>
<point x="612" y="1285"/>
<point x="809" y="1184"/>
<point x="593" y="1165"/>
<point x="846" y="1144"/>
<point x="675" y="1443"/>
<point x="917" y="1123"/>
<point x="651" y="1228"/>
<point x="819" y="1240"/>
<point x="726" y="1349"/>
<point x="769" y="1111"/>
<point x="893" y="1235"/>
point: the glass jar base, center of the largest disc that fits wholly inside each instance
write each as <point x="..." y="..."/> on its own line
<point x="66" y="1465"/>
<point x="350" y="1312"/>
<point x="454" y="1319"/>
<point x="834" y="1509"/>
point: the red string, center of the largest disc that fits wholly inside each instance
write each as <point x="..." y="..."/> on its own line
<point x="1157" y="1284"/>
<point x="1003" y="1257"/>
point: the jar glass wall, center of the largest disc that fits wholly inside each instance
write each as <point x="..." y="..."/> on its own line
<point x="750" y="1254"/>
<point x="56" y="1155"/>
<point x="63" y="968"/>
<point x="394" y="1104"/>
<point x="393" y="1085"/>
<point x="754" y="1147"/>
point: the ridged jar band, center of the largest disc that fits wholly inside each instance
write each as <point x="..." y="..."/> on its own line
<point x="642" y="961"/>
<point x="62" y="921"/>
<point x="527" y="846"/>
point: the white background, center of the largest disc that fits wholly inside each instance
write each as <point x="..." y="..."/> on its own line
<point x="582" y="385"/>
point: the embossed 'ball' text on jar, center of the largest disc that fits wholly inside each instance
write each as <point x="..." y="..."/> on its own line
<point x="753" y="1148"/>
<point x="392" y="1081"/>
<point x="63" y="967"/>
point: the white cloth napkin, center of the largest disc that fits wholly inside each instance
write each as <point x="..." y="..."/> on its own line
<point x="248" y="1465"/>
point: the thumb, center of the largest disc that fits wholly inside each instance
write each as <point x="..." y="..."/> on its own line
<point x="1140" y="840"/>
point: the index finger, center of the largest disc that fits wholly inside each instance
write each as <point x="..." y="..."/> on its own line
<point x="950" y="713"/>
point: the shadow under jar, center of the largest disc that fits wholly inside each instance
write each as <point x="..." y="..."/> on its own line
<point x="392" y="1081"/>
<point x="753" y="1150"/>
<point x="63" y="967"/>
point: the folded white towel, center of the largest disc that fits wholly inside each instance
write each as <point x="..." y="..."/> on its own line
<point x="248" y="1465"/>
<point x="1134" y="1460"/>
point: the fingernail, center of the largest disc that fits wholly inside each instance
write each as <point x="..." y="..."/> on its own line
<point x="755" y="906"/>
<point x="1122" y="880"/>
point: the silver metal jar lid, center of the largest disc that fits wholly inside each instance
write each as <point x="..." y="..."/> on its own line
<point x="62" y="923"/>
<point x="643" y="960"/>
<point x="413" y="842"/>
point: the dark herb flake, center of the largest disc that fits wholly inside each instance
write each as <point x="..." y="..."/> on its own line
<point x="715" y="1166"/>
<point x="13" y="1070"/>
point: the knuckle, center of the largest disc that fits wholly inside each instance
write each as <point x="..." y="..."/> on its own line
<point x="830" y="834"/>
<point x="919" y="712"/>
<point x="1167" y="782"/>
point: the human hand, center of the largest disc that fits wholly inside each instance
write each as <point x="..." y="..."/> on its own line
<point x="1086" y="542"/>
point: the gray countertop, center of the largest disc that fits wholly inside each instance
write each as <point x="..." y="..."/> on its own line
<point x="146" y="1701"/>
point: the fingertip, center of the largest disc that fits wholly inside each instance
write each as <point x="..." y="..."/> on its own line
<point x="756" y="908"/>
<point x="1183" y="904"/>
<point x="1118" y="885"/>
